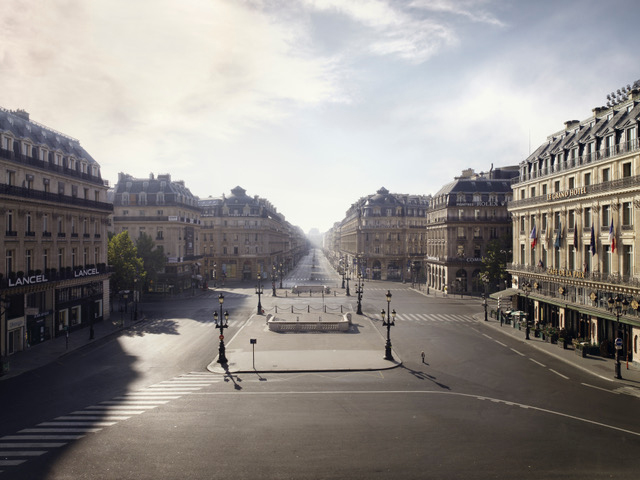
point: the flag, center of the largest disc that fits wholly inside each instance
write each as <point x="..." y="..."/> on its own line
<point x="612" y="238"/>
<point x="559" y="236"/>
<point x="533" y="237"/>
<point x="593" y="242"/>
<point x="575" y="236"/>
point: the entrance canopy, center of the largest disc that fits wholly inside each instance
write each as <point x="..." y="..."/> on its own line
<point x="509" y="292"/>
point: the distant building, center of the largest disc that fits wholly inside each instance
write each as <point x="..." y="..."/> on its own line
<point x="578" y="194"/>
<point x="169" y="213"/>
<point x="54" y="206"/>
<point x="382" y="236"/>
<point x="243" y="237"/>
<point x="463" y="217"/>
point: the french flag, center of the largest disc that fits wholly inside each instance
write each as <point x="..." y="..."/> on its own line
<point x="534" y="237"/>
<point x="612" y="238"/>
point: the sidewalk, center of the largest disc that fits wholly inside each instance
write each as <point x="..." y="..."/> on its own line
<point x="48" y="352"/>
<point x="595" y="365"/>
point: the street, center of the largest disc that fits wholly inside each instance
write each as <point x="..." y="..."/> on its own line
<point x="142" y="404"/>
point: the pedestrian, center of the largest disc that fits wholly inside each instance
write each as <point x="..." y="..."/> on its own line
<point x="422" y="355"/>
<point x="501" y="318"/>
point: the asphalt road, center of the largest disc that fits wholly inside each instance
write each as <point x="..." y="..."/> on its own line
<point x="480" y="406"/>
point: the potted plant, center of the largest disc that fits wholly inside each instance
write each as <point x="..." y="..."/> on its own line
<point x="563" y="338"/>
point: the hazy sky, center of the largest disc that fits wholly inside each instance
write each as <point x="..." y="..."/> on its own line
<point x="312" y="104"/>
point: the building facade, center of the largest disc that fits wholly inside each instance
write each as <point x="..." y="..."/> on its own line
<point x="464" y="216"/>
<point x="576" y="212"/>
<point x="169" y="213"/>
<point x="244" y="236"/>
<point x="382" y="237"/>
<point x="54" y="278"/>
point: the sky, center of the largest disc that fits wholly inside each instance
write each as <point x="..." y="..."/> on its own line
<point x="312" y="104"/>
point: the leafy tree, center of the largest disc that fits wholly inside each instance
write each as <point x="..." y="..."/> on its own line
<point x="153" y="257"/>
<point x="498" y="254"/>
<point x="127" y="266"/>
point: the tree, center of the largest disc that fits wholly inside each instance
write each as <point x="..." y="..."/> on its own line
<point x="153" y="257"/>
<point x="127" y="266"/>
<point x="498" y="254"/>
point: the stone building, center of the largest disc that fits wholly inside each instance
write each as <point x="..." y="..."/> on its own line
<point x="243" y="237"/>
<point x="382" y="236"/>
<point x="169" y="213"/>
<point x="575" y="232"/>
<point x="463" y="217"/>
<point x="54" y="206"/>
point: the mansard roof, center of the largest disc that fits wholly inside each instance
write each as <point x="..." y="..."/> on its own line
<point x="17" y="124"/>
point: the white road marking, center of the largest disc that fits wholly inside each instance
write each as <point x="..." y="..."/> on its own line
<point x="559" y="374"/>
<point x="535" y="361"/>
<point x="516" y="351"/>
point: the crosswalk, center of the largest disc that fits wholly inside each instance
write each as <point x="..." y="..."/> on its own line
<point x="434" y="318"/>
<point x="47" y="436"/>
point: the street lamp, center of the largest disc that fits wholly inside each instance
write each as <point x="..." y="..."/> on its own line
<point x="619" y="306"/>
<point x="526" y="288"/>
<point x="274" y="277"/>
<point x="388" y="322"/>
<point x="259" y="292"/>
<point x="215" y="266"/>
<point x="342" y="267"/>
<point x="359" y="292"/>
<point x="484" y="304"/>
<point x="4" y="305"/>
<point x="348" y="275"/>
<point x="281" y="275"/>
<point x="221" y="323"/>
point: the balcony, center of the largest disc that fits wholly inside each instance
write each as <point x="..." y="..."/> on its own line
<point x="53" y="198"/>
<point x="604" y="187"/>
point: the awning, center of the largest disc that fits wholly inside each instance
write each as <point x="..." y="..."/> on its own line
<point x="509" y="292"/>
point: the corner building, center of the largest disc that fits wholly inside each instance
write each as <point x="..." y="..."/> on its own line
<point x="382" y="237"/>
<point x="575" y="232"/>
<point x="53" y="202"/>
<point x="464" y="216"/>
<point x="168" y="212"/>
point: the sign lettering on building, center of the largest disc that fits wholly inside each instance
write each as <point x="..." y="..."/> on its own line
<point x="567" y="193"/>
<point x="85" y="272"/>
<point x="31" y="280"/>
<point x="559" y="272"/>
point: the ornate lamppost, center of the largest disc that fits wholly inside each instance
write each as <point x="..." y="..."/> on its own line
<point x="274" y="277"/>
<point x="359" y="292"/>
<point x="281" y="274"/>
<point x="342" y="268"/>
<point x="389" y="322"/>
<point x="526" y="288"/>
<point x="619" y="306"/>
<point x="484" y="304"/>
<point x="348" y="278"/>
<point x="221" y="323"/>
<point x="259" y="292"/>
<point x="215" y="266"/>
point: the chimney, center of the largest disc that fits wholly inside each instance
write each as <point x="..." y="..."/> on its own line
<point x="21" y="113"/>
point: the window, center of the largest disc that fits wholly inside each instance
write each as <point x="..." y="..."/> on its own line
<point x="587" y="179"/>
<point x="28" y="254"/>
<point x="572" y="182"/>
<point x="627" y="214"/>
<point x="556" y="220"/>
<point x="45" y="223"/>
<point x="477" y="233"/>
<point x="627" y="260"/>
<point x="522" y="227"/>
<point x="572" y="218"/>
<point x="626" y="169"/>
<point x="533" y="192"/>
<point x="28" y="225"/>
<point x="460" y="250"/>
<point x="9" y="261"/>
<point x="606" y="215"/>
<point x="606" y="174"/>
<point x="11" y="177"/>
<point x="572" y="257"/>
<point x="45" y="258"/>
<point x="544" y="221"/>
<point x="544" y="189"/>
<point x="556" y="186"/>
<point x="73" y="257"/>
<point x="460" y="214"/>
<point x="606" y="259"/>
<point x="587" y="217"/>
<point x="60" y="258"/>
<point x="9" y="222"/>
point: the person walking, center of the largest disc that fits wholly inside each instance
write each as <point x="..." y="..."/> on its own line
<point x="422" y="355"/>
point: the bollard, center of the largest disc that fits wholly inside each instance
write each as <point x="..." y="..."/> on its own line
<point x="276" y="308"/>
<point x="308" y="308"/>
<point x="291" y="308"/>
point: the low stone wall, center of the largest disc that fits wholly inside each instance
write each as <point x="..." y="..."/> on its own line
<point x="325" y="322"/>
<point x="310" y="289"/>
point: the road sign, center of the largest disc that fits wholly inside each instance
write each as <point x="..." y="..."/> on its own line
<point x="618" y="344"/>
<point x="221" y="337"/>
<point x="253" y="341"/>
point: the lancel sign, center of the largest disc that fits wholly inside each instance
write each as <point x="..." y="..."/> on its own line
<point x="27" y="280"/>
<point x="567" y="193"/>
